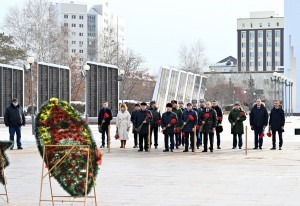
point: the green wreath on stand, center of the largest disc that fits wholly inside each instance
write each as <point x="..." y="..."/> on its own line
<point x="4" y="145"/>
<point x="58" y="123"/>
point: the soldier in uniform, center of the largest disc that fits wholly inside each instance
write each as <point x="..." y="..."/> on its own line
<point x="142" y="122"/>
<point x="219" y="112"/>
<point x="209" y="122"/>
<point x="168" y="127"/>
<point x="154" y="123"/>
<point x="135" y="134"/>
<point x="189" y="125"/>
<point x="178" y="112"/>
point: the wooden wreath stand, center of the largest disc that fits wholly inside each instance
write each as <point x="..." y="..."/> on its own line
<point x="4" y="178"/>
<point x="68" y="151"/>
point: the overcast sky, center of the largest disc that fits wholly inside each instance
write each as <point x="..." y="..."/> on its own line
<point x="157" y="28"/>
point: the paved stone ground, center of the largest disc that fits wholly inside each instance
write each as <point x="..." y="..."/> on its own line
<point x="225" y="177"/>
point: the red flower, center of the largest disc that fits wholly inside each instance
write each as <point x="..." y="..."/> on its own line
<point x="262" y="135"/>
<point x="173" y="121"/>
<point x="158" y="122"/>
<point x="117" y="136"/>
<point x="269" y="134"/>
<point x="177" y="131"/>
<point x="148" y="116"/>
<point x="220" y="118"/>
<point x="206" y="115"/>
<point x="191" y="118"/>
<point x="106" y="115"/>
<point x="183" y="135"/>
<point x="197" y="126"/>
<point x="243" y="114"/>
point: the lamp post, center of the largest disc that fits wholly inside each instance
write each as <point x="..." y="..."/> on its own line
<point x="30" y="61"/>
<point x="85" y="70"/>
<point x="121" y="79"/>
<point x="275" y="79"/>
<point x="291" y="81"/>
<point x="245" y="92"/>
<point x="283" y="80"/>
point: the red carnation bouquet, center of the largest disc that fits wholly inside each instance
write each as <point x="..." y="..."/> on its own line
<point x="172" y="122"/>
<point x="190" y="119"/>
<point x="262" y="135"/>
<point x="269" y="134"/>
<point x="117" y="134"/>
<point x="242" y="114"/>
<point x="148" y="117"/>
<point x="220" y="119"/>
<point x="105" y="117"/>
<point x="158" y="122"/>
<point x="206" y="117"/>
<point x="176" y="130"/>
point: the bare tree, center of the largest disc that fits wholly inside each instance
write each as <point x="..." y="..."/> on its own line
<point x="35" y="30"/>
<point x="192" y="57"/>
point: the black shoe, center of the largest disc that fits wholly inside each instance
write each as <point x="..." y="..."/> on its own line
<point x="11" y="148"/>
<point x="185" y="150"/>
<point x="190" y="147"/>
<point x="135" y="146"/>
<point x="165" y="150"/>
<point x="20" y="147"/>
<point x="177" y="147"/>
<point x="211" y="150"/>
<point x="240" y="147"/>
<point x="197" y="147"/>
<point x="219" y="147"/>
<point x="233" y="147"/>
<point x="140" y="150"/>
<point x="255" y="148"/>
<point x="155" y="147"/>
<point x="280" y="148"/>
<point x="171" y="150"/>
<point x="102" y="146"/>
<point x="260" y="148"/>
<point x="204" y="151"/>
<point x="146" y="150"/>
<point x="273" y="148"/>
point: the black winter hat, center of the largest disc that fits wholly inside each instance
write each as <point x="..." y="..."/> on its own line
<point x="169" y="105"/>
<point x="143" y="104"/>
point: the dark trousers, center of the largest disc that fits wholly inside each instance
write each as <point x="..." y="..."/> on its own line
<point x="167" y="136"/>
<point x="12" y="131"/>
<point x="182" y="138"/>
<point x="155" y="131"/>
<point x="218" y="139"/>
<point x="200" y="138"/>
<point x="104" y="131"/>
<point x="274" y="138"/>
<point x="135" y="135"/>
<point x="178" y="139"/>
<point x="258" y="142"/>
<point x="143" y="141"/>
<point x="235" y="140"/>
<point x="189" y="136"/>
<point x="211" y="140"/>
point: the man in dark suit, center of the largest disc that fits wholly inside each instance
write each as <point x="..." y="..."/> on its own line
<point x="276" y="123"/>
<point x="168" y="127"/>
<point x="219" y="112"/>
<point x="154" y="123"/>
<point x="104" y="118"/>
<point x="189" y="126"/>
<point x="133" y="115"/>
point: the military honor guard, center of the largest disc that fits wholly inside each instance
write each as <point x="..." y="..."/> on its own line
<point x="168" y="123"/>
<point x="190" y="120"/>
<point x="219" y="127"/>
<point x="142" y="121"/>
<point x="208" y="127"/>
<point x="178" y="113"/>
<point x="156" y="118"/>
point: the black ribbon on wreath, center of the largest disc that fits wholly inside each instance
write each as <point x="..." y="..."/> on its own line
<point x="4" y="145"/>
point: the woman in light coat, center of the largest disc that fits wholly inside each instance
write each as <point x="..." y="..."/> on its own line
<point x="123" y="124"/>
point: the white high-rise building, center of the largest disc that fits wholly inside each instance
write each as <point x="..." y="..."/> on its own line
<point x="84" y="26"/>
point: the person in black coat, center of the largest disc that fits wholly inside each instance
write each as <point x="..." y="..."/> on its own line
<point x="142" y="122"/>
<point x="104" y="122"/>
<point x="154" y="123"/>
<point x="258" y="122"/>
<point x="135" y="134"/>
<point x="219" y="112"/>
<point x="201" y="110"/>
<point x="168" y="127"/>
<point x="276" y="124"/>
<point x="195" y="108"/>
<point x="14" y="118"/>
<point x="209" y="123"/>
<point x="189" y="125"/>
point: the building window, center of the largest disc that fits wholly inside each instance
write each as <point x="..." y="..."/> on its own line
<point x="269" y="63"/>
<point x="277" y="24"/>
<point x="251" y="35"/>
<point x="251" y="25"/>
<point x="66" y="24"/>
<point x="73" y="16"/>
<point x="251" y="64"/>
<point x="81" y="59"/>
<point x="66" y="41"/>
<point x="251" y="44"/>
<point x="269" y="24"/>
<point x="73" y="33"/>
<point x="260" y="24"/>
<point x="277" y="33"/>
<point x="73" y="50"/>
<point x="66" y="16"/>
<point x="260" y="34"/>
<point x="243" y="45"/>
<point x="73" y="25"/>
<point x="269" y="44"/>
<point x="73" y="42"/>
<point x="251" y="54"/>
<point x="81" y="25"/>
<point x="277" y="53"/>
<point x="243" y="54"/>
<point x="269" y="34"/>
<point x="80" y="42"/>
<point x="80" y="34"/>
<point x="80" y="51"/>
<point x="260" y="54"/>
<point x="243" y="35"/>
<point x="277" y="63"/>
<point x="277" y="44"/>
<point x="260" y="63"/>
<point x="80" y="17"/>
<point x="269" y="54"/>
<point x="243" y="64"/>
<point x="260" y="44"/>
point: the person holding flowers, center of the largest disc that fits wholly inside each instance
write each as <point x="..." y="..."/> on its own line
<point x="168" y="123"/>
<point x="104" y="118"/>
<point x="208" y="127"/>
<point x="178" y="113"/>
<point x="276" y="124"/>
<point x="219" y="127"/>
<point x="142" y="121"/>
<point x="155" y="122"/>
<point x="236" y="118"/>
<point x="258" y="122"/>
<point x="190" y="120"/>
<point x="123" y="124"/>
